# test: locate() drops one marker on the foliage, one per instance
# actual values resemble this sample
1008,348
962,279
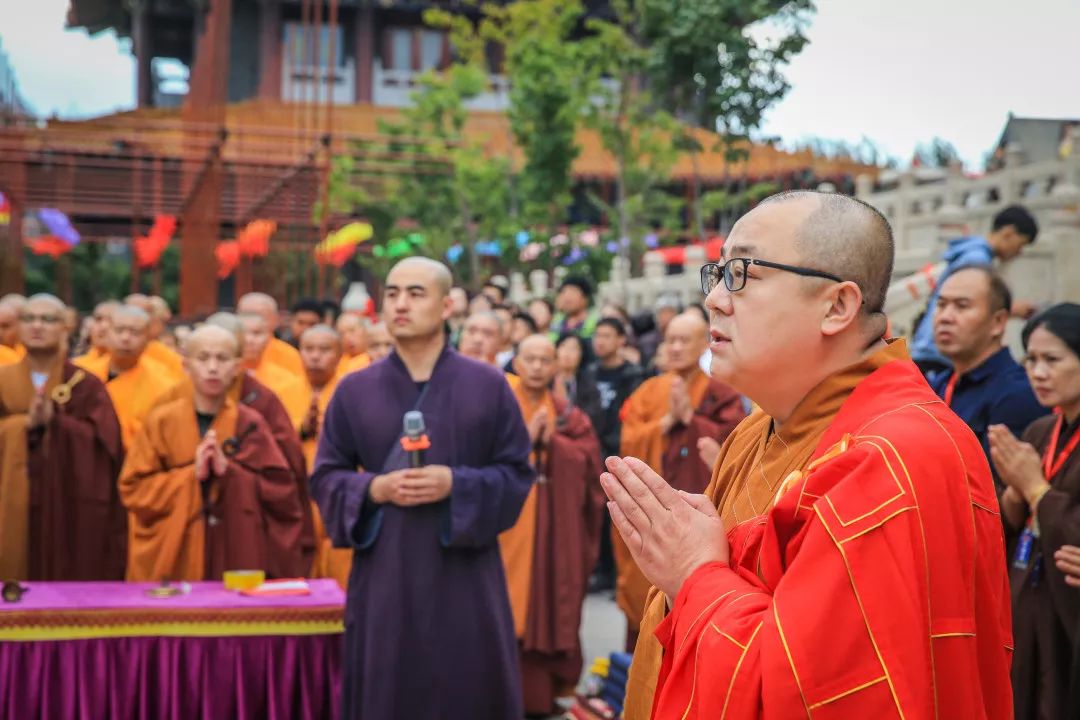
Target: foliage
938,153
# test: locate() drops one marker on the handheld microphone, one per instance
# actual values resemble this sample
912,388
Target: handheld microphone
414,439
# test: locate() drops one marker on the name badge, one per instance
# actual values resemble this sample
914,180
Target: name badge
1022,556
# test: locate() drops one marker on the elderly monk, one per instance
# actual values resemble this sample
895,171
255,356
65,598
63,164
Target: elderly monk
256,359
158,311
320,349
663,420
205,485
380,342
481,336
352,329
60,454
428,629
277,351
847,559
134,381
11,350
248,391
552,548
99,332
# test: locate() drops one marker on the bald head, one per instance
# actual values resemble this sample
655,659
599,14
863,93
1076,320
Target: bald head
438,275
380,343
128,335
481,336
211,359
320,351
140,301
99,324
843,236
45,301
535,362
41,325
229,322
686,339
159,308
260,304
353,331
10,308
257,334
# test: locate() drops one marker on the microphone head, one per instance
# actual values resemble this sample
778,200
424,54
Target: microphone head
413,424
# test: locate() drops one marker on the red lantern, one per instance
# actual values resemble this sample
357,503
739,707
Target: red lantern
149,248
49,245
228,257
254,239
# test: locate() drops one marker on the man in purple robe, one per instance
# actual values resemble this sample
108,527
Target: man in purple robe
428,630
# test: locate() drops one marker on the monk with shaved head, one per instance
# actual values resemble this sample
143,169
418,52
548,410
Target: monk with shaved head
60,454
663,422
278,352
423,459
380,343
847,558
159,313
352,328
11,350
99,331
134,380
205,485
256,354
552,548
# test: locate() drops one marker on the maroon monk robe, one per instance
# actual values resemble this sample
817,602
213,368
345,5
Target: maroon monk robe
58,486
569,512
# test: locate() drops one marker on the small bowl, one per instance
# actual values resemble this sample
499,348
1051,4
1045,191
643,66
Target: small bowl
243,579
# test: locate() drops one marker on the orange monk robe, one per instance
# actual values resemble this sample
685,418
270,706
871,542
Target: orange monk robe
8,356
875,587
330,562
351,364
134,392
289,388
60,514
254,519
752,463
91,357
551,550
285,356
717,410
167,357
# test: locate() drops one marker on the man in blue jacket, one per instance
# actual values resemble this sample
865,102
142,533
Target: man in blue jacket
1012,230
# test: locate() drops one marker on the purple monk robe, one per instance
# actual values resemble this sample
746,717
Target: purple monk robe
428,629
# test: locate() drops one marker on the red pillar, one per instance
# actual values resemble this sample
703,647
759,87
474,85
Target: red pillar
271,38
365,54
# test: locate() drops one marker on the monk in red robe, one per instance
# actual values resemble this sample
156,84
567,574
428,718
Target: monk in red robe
663,422
205,485
60,454
552,548
871,582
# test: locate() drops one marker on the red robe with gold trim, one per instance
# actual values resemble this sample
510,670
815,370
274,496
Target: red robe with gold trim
874,588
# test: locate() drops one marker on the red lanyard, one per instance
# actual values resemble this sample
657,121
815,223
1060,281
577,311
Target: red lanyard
1052,467
950,388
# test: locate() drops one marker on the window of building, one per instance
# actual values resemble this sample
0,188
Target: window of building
401,40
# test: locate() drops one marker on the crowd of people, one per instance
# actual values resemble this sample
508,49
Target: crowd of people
468,467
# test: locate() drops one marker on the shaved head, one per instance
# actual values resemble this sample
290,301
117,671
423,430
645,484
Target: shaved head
130,312
260,304
257,334
128,335
535,362
140,301
320,351
230,322
211,360
380,343
13,300
99,326
440,275
207,336
45,300
686,338
847,238
353,331
321,331
159,309
41,326
10,307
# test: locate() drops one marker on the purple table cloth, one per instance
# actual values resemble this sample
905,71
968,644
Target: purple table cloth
106,650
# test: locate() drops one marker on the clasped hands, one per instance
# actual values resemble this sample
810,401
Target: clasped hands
412,486
1018,465
680,408
209,458
670,533
41,410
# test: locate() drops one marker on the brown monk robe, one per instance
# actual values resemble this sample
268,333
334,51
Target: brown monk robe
662,422
352,329
256,359
754,462
248,391
60,454
320,351
205,485
134,381
552,548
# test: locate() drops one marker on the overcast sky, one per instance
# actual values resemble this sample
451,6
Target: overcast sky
898,73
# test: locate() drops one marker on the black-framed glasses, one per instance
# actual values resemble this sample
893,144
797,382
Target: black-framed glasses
733,273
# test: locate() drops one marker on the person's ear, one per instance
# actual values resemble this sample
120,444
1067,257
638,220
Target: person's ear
844,302
999,320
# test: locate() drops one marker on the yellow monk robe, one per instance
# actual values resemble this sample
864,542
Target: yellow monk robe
8,356
256,517
285,356
752,464
291,389
674,455
166,356
352,364
133,392
518,544
330,562
92,357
